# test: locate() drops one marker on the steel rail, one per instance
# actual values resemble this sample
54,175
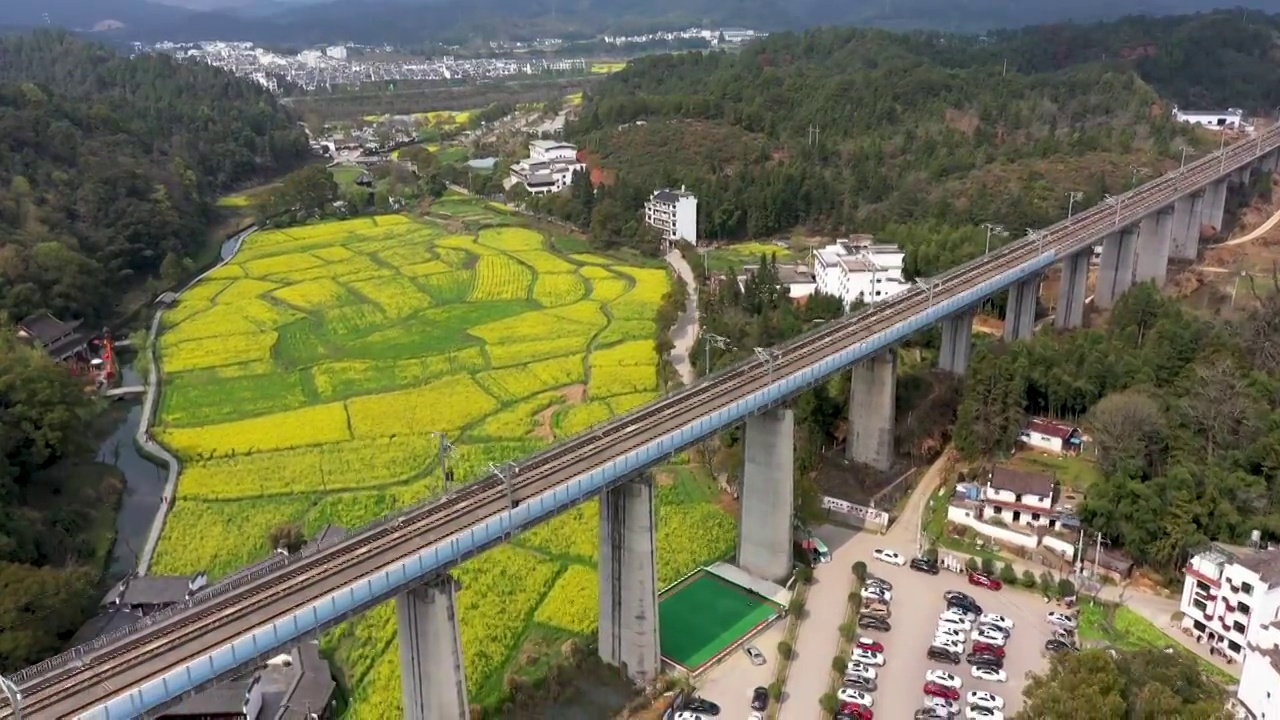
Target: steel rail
1091,221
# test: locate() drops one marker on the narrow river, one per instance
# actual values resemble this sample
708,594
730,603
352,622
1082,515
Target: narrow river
144,486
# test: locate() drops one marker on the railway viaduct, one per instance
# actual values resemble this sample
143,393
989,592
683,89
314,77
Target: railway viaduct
406,558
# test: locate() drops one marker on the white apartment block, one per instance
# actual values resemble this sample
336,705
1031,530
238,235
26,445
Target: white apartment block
674,213
1230,119
1230,594
549,169
858,269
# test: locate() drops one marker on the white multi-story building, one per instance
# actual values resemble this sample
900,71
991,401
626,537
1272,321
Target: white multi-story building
549,169
1229,119
1258,695
859,270
1228,595
337,52
674,213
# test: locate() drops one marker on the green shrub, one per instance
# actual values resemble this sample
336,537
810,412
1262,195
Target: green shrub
1029,580
785,650
1008,575
860,570
972,564
829,703
1066,588
988,566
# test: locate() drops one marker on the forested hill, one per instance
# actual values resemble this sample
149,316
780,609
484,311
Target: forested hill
109,165
912,128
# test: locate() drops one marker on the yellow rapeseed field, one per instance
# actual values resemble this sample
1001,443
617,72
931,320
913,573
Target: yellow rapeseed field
304,382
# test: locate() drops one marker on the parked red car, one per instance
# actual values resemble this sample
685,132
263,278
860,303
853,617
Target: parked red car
856,711
986,581
988,649
869,644
941,691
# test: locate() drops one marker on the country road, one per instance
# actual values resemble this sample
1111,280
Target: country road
685,332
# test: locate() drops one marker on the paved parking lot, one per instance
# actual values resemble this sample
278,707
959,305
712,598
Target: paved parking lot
730,683
917,601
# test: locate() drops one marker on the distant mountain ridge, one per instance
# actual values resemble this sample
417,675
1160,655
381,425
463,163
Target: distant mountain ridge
456,21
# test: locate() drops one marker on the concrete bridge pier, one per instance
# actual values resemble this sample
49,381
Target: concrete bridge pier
1268,162
1154,236
1115,276
1072,289
628,580
1020,310
872,398
1185,240
957,340
768,497
432,676
1215,204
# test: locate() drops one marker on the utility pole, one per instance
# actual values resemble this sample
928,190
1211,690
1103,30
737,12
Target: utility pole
15,696
992,229
1182,166
446,448
1114,200
769,358
1222,146
1137,172
506,480
813,134
1072,197
709,339
1097,557
1038,236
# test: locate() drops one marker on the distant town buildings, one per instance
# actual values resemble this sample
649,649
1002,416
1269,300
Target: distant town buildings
549,168
1229,119
334,65
674,213
716,37
859,270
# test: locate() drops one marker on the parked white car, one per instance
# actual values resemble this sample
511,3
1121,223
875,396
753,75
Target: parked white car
867,657
983,635
860,670
984,699
849,695
951,707
954,621
889,556
947,643
943,678
950,632
1061,620
997,620
989,674
977,712
872,591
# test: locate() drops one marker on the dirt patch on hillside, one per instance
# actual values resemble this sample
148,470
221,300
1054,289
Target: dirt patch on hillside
989,325
963,120
664,477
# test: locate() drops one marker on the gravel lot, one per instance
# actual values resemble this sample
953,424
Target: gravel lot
917,601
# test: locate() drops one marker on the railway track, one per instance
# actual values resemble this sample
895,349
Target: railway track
75,687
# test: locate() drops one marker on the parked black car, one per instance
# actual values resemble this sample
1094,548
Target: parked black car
867,622
877,581
925,565
984,660
858,682
1055,646
942,654
760,698
701,705
965,606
